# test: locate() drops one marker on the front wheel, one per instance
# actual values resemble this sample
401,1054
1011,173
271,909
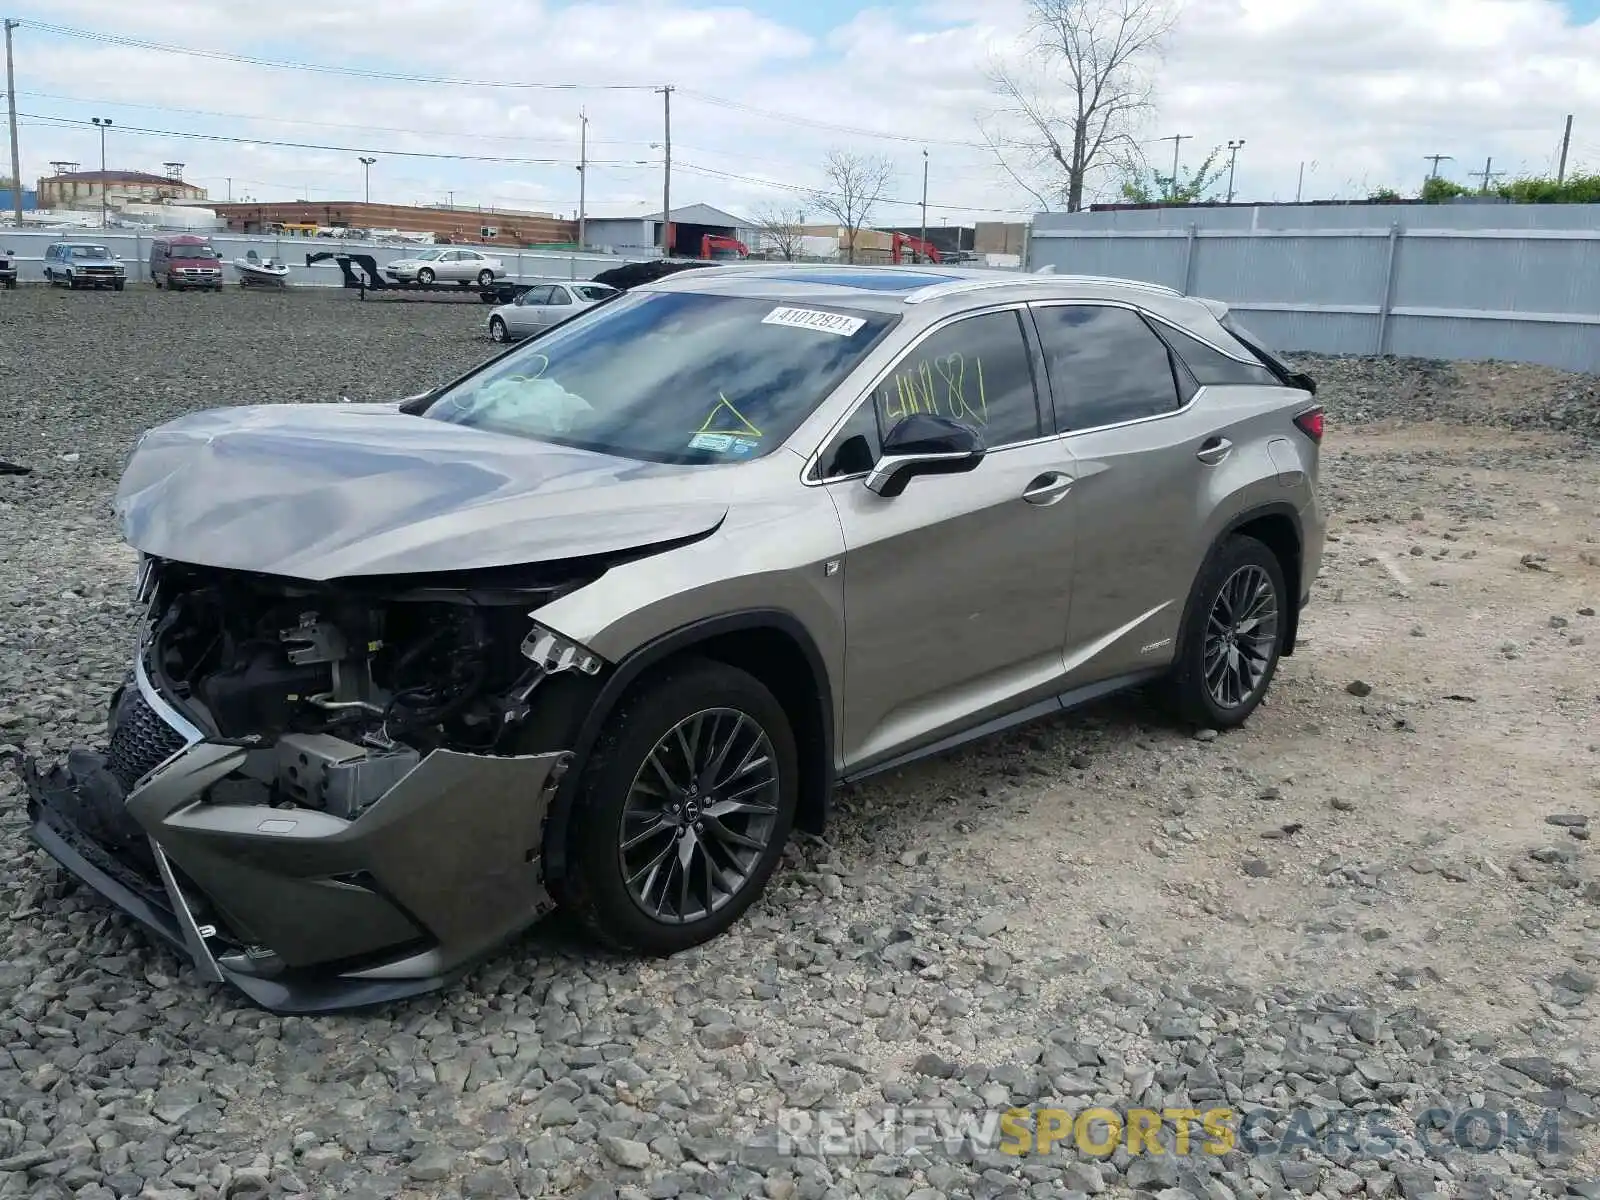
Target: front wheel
117,286
683,811
498,331
1233,636
425,275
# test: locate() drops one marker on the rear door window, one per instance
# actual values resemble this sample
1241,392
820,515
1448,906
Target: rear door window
1106,365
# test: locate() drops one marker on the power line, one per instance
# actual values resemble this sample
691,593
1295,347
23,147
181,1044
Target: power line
695,168
830,126
252,141
111,39
236,116
405,77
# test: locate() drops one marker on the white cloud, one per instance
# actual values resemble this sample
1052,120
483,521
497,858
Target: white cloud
1362,89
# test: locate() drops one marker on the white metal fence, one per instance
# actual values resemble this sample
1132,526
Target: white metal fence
1518,294
28,247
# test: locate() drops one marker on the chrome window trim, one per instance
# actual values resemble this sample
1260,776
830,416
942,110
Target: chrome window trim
814,459
1159,320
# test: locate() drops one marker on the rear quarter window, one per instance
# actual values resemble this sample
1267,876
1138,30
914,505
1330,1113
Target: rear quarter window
1208,364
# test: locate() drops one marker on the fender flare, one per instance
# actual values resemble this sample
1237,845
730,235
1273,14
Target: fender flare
1276,508
659,649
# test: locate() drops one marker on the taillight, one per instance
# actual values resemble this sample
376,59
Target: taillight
1310,423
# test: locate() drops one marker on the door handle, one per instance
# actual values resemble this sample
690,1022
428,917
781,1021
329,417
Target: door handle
1213,450
1048,488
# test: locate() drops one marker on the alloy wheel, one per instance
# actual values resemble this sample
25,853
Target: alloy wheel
1241,636
699,816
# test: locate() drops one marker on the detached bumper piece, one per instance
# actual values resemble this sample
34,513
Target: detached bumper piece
301,910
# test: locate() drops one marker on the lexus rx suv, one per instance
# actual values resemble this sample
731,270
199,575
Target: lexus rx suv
596,624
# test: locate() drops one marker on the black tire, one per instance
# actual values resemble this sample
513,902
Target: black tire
595,891
425,276
117,286
156,279
1240,562
498,331
485,278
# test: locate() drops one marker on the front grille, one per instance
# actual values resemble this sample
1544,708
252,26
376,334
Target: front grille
141,741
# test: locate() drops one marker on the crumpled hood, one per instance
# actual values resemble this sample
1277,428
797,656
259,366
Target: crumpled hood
323,491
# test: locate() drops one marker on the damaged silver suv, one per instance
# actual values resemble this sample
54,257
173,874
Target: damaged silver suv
594,625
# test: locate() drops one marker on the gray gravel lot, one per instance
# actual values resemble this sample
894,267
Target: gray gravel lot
1379,897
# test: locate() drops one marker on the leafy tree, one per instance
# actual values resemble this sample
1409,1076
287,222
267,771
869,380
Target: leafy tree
1438,189
1386,194
1143,185
1533,189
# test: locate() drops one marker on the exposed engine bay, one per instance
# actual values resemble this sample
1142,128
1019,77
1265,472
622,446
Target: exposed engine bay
340,690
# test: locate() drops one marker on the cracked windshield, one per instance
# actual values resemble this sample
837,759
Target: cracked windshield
669,377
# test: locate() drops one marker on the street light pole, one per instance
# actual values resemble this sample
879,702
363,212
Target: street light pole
1233,158
924,202
583,176
366,172
103,124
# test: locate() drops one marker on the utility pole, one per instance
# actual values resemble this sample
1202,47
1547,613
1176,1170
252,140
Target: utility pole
1561,171
103,123
666,172
1435,160
1300,186
1488,175
1233,158
230,189
583,174
1175,139
366,174
16,162
924,197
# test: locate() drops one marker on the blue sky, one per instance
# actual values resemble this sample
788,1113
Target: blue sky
1344,95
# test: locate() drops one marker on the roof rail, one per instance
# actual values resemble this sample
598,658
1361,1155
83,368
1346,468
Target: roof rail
956,287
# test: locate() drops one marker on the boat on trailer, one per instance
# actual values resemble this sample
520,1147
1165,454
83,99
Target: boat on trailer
255,271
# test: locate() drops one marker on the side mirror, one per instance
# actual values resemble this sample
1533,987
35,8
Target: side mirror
924,444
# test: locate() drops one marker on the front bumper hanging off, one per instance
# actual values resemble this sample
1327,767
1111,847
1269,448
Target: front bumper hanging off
301,910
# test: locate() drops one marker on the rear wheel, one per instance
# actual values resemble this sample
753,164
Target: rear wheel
498,331
683,810
1233,637
485,277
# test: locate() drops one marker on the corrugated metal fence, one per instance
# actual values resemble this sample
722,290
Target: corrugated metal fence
134,247
1519,294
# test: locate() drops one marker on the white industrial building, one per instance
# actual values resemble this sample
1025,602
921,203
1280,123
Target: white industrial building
642,235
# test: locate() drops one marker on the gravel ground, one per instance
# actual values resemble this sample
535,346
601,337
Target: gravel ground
1378,896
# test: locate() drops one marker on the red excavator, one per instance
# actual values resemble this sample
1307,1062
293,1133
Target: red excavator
921,251
710,244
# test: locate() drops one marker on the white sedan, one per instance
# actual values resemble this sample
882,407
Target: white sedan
439,264
543,305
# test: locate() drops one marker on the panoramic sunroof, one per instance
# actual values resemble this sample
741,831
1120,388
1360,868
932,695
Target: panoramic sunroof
870,281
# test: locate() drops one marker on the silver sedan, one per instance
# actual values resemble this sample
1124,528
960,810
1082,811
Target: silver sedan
543,305
439,265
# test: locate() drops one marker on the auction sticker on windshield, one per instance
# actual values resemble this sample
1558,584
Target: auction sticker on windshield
811,318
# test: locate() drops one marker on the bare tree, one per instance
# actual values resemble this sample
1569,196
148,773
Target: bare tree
1077,101
856,183
785,229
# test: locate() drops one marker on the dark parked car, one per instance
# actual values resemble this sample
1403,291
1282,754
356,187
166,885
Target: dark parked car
8,269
